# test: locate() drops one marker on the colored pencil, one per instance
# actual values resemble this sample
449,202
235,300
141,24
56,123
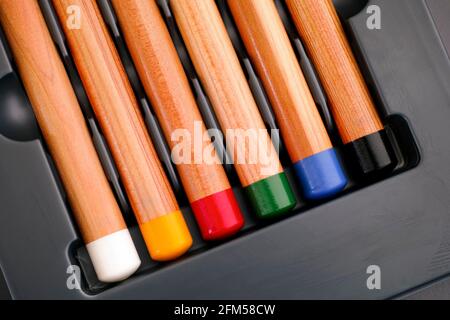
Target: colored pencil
109,91
161,72
58,113
218,68
354,111
307,141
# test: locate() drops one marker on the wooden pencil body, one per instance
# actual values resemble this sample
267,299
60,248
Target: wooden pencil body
116,108
353,109
60,119
221,74
270,50
168,88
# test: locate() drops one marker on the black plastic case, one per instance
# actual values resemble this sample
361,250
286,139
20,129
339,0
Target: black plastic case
399,221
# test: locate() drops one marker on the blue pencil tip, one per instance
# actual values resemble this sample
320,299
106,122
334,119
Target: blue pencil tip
321,175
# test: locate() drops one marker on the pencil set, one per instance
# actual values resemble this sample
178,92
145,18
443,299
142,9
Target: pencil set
268,190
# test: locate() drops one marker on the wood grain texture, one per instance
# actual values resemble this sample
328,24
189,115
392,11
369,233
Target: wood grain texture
323,35
271,52
218,67
60,119
116,108
167,86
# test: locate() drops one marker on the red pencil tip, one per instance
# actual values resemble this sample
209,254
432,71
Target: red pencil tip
218,215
